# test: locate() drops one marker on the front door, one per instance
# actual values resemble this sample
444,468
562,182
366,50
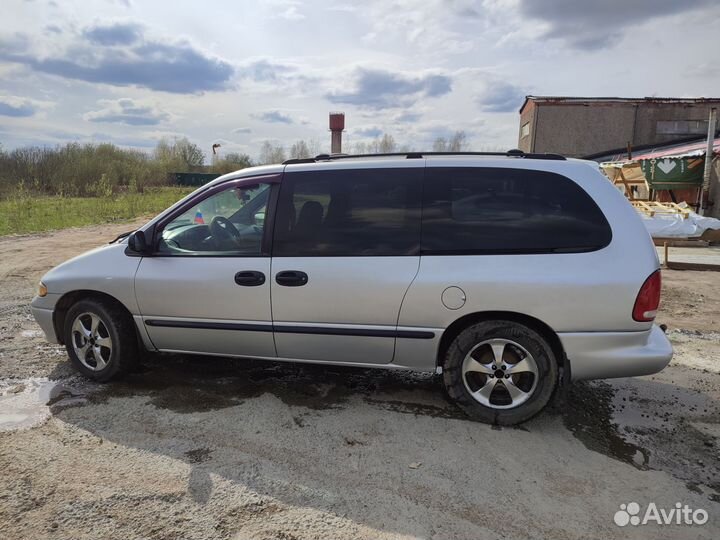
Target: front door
345,250
207,287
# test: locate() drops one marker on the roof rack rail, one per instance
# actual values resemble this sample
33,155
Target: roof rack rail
419,155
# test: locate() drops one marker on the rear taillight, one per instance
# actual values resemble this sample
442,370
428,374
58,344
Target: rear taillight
648,299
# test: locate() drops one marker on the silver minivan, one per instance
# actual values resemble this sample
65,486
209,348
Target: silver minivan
507,273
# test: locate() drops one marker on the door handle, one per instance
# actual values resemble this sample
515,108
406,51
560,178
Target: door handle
249,278
291,278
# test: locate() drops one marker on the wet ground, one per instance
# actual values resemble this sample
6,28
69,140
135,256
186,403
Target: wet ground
196,447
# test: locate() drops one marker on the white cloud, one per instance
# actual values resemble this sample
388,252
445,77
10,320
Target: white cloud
128,111
21,107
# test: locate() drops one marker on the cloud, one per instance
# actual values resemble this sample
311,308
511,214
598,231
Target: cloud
127,111
597,25
431,27
291,14
17,107
45,136
407,116
176,67
501,96
378,89
369,132
274,117
53,28
114,34
242,130
284,79
286,9
265,71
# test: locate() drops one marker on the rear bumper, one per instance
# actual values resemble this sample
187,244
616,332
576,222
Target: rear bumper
606,355
44,318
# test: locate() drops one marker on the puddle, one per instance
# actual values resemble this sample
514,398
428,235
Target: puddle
588,414
27,403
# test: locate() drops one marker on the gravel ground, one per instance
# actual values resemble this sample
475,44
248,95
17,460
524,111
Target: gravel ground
200,448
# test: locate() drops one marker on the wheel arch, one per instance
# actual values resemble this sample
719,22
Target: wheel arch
542,328
70,298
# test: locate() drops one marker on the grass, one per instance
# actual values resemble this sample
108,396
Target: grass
24,212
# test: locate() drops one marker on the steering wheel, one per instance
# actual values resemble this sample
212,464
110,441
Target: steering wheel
223,230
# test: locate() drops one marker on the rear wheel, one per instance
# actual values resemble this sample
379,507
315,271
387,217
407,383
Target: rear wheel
100,339
500,372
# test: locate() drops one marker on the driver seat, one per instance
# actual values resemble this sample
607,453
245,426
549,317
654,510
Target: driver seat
309,219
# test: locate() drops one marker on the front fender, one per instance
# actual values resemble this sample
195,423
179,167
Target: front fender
106,269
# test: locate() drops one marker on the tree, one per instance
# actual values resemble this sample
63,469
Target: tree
189,153
457,143
236,158
315,147
382,145
440,145
387,144
360,147
179,155
300,150
271,153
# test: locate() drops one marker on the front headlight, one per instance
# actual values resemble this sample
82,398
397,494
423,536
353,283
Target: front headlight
42,290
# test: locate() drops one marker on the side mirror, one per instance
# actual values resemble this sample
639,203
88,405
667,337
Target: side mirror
138,243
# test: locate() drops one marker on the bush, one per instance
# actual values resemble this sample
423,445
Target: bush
83,170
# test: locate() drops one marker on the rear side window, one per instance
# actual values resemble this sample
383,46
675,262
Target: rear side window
499,210
367,212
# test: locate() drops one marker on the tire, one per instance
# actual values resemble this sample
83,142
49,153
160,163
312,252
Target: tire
114,339
512,392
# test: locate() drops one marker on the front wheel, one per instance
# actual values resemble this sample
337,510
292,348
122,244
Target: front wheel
100,339
500,372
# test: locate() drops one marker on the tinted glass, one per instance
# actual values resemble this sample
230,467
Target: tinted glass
229,222
349,213
498,210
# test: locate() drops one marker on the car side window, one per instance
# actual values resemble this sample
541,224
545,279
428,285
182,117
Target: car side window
356,212
502,210
229,222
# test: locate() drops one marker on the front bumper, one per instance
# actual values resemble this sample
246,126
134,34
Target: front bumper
607,355
44,318
43,309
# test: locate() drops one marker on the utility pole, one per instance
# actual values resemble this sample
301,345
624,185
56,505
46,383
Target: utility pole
708,159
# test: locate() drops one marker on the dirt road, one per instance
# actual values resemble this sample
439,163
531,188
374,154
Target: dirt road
202,448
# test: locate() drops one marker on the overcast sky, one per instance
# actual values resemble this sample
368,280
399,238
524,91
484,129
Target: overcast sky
240,72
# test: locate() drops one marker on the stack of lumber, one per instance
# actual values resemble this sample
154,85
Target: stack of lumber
652,208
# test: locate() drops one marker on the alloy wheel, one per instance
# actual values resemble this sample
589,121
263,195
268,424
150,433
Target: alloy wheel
500,373
91,341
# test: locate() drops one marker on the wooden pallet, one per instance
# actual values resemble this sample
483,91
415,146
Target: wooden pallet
651,208
680,265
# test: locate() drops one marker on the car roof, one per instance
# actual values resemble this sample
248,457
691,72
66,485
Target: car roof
511,158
